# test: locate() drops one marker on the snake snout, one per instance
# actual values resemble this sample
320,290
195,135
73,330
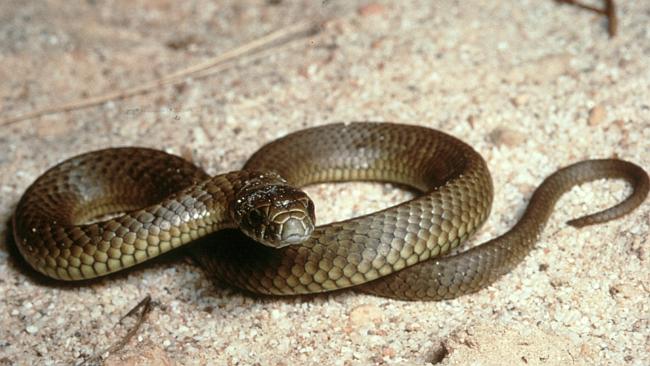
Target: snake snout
290,221
295,229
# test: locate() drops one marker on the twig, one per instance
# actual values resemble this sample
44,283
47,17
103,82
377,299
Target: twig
299,30
612,21
145,304
609,11
217,69
583,6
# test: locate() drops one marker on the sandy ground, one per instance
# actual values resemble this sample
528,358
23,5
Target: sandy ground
532,85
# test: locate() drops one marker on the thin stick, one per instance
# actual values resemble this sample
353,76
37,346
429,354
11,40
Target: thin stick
300,30
145,304
609,11
612,21
583,6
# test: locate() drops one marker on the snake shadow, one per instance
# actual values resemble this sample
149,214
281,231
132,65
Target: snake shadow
226,255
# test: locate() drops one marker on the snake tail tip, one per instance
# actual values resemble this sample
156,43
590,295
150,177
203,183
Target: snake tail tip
578,223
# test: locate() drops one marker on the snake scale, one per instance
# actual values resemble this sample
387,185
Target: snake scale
167,202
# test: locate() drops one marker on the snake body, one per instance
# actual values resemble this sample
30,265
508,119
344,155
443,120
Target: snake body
396,252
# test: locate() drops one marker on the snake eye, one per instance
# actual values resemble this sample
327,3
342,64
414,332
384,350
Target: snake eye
256,218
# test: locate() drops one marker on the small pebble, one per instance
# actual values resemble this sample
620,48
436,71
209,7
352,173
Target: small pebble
596,115
622,290
541,71
520,100
365,314
388,352
471,120
371,9
506,136
187,153
276,314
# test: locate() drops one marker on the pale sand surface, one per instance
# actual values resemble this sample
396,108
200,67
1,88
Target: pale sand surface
515,79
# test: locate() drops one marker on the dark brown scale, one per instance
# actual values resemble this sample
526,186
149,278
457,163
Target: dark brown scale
395,252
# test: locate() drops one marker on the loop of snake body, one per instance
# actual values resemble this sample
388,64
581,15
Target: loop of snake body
397,252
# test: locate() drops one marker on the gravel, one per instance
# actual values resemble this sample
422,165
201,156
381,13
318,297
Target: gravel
532,85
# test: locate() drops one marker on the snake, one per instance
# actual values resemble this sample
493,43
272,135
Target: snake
104,211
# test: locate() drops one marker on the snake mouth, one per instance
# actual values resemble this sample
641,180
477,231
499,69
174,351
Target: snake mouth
291,240
295,230
288,228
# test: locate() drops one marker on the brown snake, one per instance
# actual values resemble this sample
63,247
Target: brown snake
396,252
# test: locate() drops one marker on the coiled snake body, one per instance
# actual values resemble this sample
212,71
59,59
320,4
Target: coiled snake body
397,252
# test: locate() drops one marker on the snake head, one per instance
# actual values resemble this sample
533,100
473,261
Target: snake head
274,213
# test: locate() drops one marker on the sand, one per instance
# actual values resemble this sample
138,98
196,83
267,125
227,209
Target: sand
531,85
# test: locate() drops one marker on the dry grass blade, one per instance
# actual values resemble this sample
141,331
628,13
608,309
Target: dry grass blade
280,36
609,11
144,307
